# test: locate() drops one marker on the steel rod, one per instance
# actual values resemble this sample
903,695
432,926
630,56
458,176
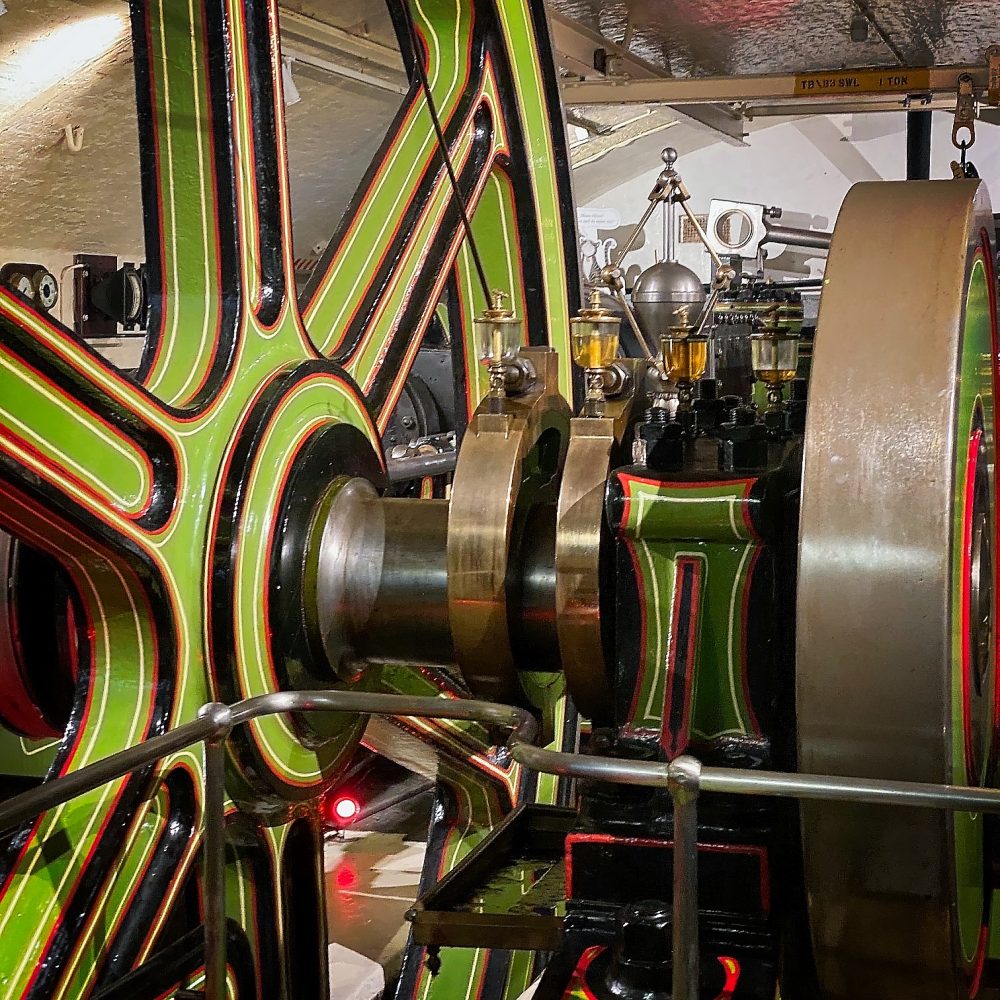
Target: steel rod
589,768
402,470
630,316
780,784
522,727
214,871
442,143
517,720
30,804
706,312
684,777
870,791
216,720
810,238
639,228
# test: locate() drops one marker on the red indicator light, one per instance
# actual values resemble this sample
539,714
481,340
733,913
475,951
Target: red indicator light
344,809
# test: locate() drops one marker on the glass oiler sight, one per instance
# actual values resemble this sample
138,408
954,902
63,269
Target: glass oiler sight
775,349
594,336
498,339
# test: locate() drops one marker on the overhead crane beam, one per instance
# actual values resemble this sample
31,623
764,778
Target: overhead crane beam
781,93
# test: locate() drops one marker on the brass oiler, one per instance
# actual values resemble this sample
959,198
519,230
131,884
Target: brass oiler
775,349
594,337
684,358
498,340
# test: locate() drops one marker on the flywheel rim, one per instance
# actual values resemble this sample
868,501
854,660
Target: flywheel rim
906,331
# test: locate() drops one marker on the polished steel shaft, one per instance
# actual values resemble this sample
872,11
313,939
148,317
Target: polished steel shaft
381,590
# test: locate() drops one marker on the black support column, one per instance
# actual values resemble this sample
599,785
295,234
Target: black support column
918,145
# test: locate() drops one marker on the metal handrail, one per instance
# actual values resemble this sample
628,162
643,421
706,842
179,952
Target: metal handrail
684,778
214,723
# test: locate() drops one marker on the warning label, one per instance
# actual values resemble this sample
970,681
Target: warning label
864,81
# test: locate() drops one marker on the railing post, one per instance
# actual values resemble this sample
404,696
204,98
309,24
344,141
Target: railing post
684,782
214,853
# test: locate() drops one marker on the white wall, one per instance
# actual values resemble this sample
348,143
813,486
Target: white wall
806,166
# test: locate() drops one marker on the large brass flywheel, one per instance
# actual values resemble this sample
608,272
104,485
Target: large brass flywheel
896,610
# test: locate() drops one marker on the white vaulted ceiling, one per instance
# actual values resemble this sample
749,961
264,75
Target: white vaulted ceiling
69,63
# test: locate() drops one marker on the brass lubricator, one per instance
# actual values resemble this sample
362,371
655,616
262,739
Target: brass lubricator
774,343
594,337
499,333
684,358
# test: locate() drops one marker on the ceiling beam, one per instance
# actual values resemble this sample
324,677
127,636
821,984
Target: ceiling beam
575,46
940,102
588,152
721,119
316,32
342,71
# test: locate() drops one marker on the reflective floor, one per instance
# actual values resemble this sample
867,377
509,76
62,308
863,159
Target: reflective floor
372,880
372,876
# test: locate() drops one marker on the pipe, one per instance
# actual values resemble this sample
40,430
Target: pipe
589,768
214,857
778,784
403,470
684,778
518,721
213,724
870,791
807,238
30,804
